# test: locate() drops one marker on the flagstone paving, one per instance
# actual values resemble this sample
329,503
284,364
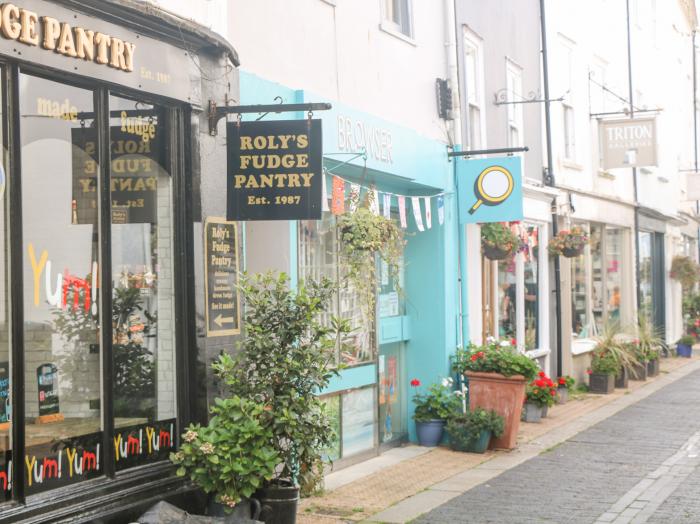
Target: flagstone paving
407,480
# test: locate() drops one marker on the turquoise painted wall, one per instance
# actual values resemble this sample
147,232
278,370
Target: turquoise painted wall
418,166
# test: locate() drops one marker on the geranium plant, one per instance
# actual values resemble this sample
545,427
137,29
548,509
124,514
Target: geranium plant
232,456
498,240
566,381
568,243
440,402
494,357
541,391
605,363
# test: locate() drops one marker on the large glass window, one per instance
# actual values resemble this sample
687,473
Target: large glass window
613,266
507,298
143,340
581,325
532,288
62,354
646,284
5,399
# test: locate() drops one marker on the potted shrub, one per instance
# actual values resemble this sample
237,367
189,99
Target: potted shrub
497,374
685,270
568,243
622,378
684,347
651,342
604,367
498,241
286,356
433,409
472,431
231,457
539,395
565,384
642,355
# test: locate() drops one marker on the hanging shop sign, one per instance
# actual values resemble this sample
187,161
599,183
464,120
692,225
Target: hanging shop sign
135,161
629,142
58,37
223,313
274,170
490,189
47,386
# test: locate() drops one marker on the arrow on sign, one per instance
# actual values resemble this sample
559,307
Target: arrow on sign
220,321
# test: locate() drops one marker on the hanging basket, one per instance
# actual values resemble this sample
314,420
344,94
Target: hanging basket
496,252
572,252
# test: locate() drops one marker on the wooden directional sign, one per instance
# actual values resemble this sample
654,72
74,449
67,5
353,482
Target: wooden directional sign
221,277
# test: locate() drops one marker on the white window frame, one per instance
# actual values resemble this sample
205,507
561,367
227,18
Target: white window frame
473,47
569,135
393,27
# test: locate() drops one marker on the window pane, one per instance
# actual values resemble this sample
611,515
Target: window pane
580,316
332,407
613,267
358,421
474,127
532,295
5,406
598,297
143,339
645,276
60,240
507,308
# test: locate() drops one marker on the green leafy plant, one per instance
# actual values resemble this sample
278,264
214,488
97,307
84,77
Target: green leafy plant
649,338
494,357
285,358
574,239
686,340
439,403
612,344
691,313
541,391
365,235
685,270
232,456
605,363
467,427
500,235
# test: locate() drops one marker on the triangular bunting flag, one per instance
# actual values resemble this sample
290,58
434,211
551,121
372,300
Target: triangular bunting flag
374,205
415,203
354,197
428,213
387,205
338,196
402,211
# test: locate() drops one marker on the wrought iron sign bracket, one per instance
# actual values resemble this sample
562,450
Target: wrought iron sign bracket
501,151
501,99
216,113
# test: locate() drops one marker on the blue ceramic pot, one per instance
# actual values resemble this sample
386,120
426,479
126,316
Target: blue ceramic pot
683,350
481,444
430,433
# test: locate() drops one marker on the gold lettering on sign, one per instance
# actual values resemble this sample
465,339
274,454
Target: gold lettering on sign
27,27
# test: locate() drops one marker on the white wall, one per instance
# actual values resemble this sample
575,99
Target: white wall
209,13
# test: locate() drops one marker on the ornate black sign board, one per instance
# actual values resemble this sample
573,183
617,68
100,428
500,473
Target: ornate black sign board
274,170
47,381
223,315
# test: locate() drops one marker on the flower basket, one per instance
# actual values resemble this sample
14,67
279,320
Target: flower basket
568,243
495,252
572,252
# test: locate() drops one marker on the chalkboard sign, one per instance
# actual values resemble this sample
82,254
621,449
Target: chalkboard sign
47,381
274,170
221,276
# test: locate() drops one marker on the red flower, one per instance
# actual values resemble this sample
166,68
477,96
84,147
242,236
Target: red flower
541,374
562,381
697,322
552,392
474,357
540,383
589,372
415,383
513,342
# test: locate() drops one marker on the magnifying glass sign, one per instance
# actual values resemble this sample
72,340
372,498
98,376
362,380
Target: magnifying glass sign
492,187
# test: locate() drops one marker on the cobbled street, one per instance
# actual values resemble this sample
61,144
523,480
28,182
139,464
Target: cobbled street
640,465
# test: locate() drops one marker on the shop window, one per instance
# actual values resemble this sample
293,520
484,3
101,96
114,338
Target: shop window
569,133
143,344
581,313
62,354
319,258
5,401
358,415
518,294
613,266
646,274
398,14
473,78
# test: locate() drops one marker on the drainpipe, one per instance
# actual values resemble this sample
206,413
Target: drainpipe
550,181
451,30
695,125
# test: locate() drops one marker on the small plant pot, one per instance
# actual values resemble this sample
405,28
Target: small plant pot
653,367
532,412
571,252
545,410
430,433
245,511
495,252
684,350
602,383
278,504
622,379
478,445
639,371
562,395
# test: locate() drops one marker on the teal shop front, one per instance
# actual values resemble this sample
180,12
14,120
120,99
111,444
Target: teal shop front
415,330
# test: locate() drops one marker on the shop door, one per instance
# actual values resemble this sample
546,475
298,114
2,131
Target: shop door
392,401
651,278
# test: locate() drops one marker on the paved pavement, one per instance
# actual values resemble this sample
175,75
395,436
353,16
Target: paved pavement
639,465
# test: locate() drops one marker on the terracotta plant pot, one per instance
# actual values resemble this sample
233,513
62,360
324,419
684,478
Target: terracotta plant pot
622,379
602,383
562,395
653,367
504,395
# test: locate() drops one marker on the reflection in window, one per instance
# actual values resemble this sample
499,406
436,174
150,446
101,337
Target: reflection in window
598,297
398,13
358,421
143,342
645,276
61,344
580,293
613,266
5,405
531,291
507,296
332,407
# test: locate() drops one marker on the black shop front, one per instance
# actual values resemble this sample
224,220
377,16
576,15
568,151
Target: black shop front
100,200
